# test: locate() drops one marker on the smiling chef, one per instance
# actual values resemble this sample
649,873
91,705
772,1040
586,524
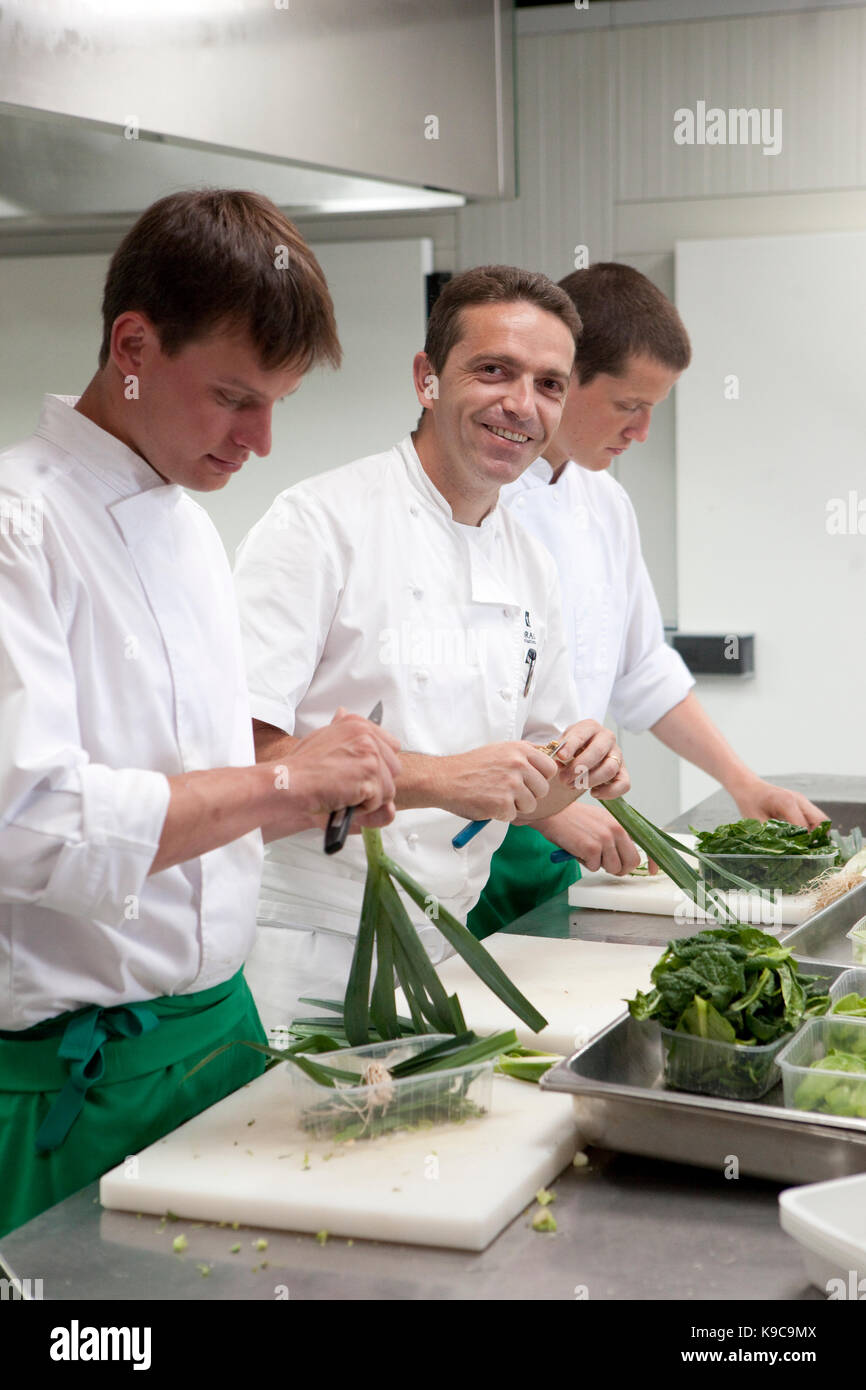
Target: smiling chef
633,348
400,578
132,810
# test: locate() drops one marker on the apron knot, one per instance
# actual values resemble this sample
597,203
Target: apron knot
81,1046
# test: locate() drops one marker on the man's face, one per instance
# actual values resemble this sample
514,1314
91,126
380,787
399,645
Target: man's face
201,413
601,419
500,395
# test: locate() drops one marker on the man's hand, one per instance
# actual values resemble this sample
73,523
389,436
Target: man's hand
761,800
350,762
592,835
590,760
497,782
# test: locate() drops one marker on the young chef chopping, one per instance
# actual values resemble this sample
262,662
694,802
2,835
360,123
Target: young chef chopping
133,810
400,577
633,348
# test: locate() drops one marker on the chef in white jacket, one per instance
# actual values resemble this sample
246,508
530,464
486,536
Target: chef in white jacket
132,809
400,576
632,349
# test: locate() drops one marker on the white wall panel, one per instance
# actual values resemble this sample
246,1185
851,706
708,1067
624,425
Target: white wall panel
755,476
811,66
565,162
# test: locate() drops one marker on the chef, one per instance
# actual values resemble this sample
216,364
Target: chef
632,349
132,809
400,576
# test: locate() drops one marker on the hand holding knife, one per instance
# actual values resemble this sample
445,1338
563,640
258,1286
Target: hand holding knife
339,821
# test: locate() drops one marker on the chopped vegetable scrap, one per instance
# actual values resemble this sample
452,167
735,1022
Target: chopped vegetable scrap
544,1220
179,1244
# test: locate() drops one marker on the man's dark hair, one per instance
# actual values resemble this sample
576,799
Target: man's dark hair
623,314
199,260
491,284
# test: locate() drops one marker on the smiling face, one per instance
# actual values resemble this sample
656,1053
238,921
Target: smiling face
199,414
499,402
602,418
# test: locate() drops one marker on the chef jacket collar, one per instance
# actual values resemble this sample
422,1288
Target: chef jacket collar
97,450
541,472
420,481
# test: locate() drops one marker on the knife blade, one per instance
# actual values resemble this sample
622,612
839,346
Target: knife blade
338,829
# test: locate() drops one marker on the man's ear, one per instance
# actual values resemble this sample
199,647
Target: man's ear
425,380
132,337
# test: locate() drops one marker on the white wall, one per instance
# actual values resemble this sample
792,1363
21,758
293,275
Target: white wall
50,330
756,475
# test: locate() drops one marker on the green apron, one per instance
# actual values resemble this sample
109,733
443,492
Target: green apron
81,1092
521,878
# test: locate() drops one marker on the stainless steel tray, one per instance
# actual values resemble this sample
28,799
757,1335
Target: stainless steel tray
824,936
621,1103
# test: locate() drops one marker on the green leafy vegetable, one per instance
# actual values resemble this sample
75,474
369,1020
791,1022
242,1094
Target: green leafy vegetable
854,1005
732,985
770,854
830,1094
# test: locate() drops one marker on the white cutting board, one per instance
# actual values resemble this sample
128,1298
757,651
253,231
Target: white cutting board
659,894
579,986
451,1185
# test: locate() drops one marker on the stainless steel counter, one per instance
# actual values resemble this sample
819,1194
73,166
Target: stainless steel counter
628,1228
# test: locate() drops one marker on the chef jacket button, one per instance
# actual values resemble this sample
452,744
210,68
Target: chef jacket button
521,501
413,510
417,593
412,840
421,676
506,694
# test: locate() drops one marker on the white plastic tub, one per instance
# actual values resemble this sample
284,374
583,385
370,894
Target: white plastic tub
828,1222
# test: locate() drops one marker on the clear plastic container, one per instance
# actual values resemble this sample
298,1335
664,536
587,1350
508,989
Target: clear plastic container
857,937
383,1105
732,1071
827,1091
790,873
849,982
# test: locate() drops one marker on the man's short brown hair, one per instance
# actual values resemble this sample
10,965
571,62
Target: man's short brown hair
491,284
623,314
209,258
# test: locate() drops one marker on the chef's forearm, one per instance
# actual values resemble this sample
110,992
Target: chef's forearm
209,809
688,730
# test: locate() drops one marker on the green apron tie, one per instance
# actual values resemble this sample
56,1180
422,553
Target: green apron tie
81,1046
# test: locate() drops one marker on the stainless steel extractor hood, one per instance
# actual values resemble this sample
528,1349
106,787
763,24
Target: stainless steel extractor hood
328,107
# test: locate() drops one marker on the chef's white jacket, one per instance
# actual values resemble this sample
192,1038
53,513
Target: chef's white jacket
120,665
358,586
620,659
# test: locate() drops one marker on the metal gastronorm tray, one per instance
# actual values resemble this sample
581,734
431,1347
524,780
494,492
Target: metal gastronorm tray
621,1103
824,937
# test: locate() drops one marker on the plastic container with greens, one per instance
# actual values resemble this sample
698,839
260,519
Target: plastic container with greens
824,1067
772,855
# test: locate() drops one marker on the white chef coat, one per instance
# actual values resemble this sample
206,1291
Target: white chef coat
358,586
620,659
120,665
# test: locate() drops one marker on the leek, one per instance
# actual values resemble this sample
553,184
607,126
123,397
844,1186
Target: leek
668,854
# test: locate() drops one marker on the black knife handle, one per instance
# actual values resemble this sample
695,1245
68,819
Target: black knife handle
338,829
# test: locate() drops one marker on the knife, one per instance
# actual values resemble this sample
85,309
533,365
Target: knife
471,830
337,830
